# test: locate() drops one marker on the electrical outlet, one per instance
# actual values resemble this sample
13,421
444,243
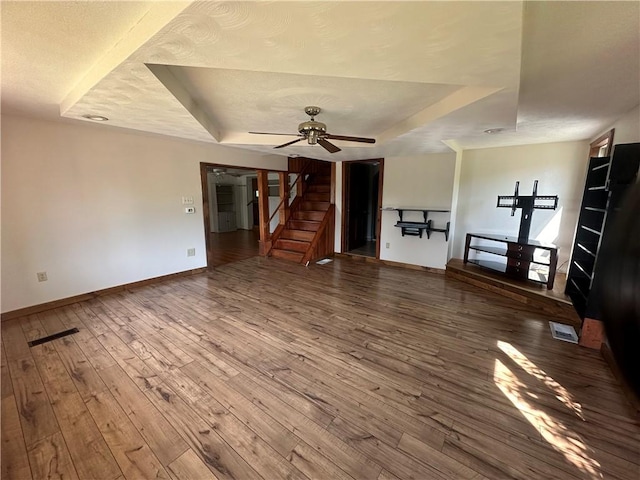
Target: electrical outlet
42,276
387,245
190,210
191,252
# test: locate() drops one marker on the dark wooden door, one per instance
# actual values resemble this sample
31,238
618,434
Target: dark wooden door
375,207
359,198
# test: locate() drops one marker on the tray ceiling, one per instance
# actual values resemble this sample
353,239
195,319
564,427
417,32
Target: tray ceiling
417,76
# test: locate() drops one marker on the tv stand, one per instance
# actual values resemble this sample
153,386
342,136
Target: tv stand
511,257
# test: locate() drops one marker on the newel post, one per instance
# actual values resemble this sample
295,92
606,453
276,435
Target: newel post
283,213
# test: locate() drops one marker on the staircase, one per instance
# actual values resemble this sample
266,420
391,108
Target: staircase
308,220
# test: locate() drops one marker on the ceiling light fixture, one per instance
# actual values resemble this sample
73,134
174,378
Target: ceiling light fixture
95,118
491,131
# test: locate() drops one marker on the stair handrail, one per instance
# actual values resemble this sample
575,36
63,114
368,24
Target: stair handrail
300,175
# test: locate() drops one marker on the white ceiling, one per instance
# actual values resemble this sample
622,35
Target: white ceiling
413,75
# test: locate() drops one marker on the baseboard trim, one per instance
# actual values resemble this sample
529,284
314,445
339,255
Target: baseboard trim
390,263
43,307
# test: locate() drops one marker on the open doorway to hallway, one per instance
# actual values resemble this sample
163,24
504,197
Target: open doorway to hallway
362,197
230,211
228,199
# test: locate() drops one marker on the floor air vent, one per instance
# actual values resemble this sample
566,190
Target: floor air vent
324,261
563,332
55,336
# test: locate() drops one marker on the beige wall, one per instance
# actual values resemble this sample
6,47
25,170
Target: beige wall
627,128
487,173
422,181
96,207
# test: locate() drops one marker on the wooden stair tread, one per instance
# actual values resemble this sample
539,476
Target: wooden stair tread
307,225
316,215
317,196
292,245
295,234
312,205
319,188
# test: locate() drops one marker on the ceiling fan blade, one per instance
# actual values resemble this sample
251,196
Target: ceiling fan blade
269,133
289,143
330,147
351,139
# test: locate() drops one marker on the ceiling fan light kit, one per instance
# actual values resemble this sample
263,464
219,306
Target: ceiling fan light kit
316,133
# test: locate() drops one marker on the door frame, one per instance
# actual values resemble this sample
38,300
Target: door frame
345,203
206,204
606,139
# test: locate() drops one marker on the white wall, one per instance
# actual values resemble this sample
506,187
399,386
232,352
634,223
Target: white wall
249,206
213,202
240,195
487,173
627,128
423,181
96,207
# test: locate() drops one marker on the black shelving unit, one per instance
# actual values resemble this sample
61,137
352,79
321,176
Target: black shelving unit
523,260
607,181
414,228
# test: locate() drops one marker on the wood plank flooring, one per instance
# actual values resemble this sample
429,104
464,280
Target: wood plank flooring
366,250
229,247
266,369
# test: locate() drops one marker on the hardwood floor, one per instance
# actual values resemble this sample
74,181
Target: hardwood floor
229,247
266,369
367,250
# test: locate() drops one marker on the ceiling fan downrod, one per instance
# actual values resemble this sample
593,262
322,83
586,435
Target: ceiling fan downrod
311,129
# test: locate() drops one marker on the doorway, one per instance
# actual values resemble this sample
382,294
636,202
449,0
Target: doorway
361,204
230,211
227,193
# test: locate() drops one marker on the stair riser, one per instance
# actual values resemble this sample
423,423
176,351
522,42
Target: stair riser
312,215
317,197
293,245
319,188
304,235
302,225
322,206
287,255
321,180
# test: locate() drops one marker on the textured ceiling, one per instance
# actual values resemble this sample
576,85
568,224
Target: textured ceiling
48,47
411,74
243,100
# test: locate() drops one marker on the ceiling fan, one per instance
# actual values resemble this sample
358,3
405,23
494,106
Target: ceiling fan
316,133
220,173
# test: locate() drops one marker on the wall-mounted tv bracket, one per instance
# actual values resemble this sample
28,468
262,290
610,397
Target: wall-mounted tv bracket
528,204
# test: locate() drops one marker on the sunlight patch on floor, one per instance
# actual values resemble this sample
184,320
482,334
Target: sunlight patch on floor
532,369
556,433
